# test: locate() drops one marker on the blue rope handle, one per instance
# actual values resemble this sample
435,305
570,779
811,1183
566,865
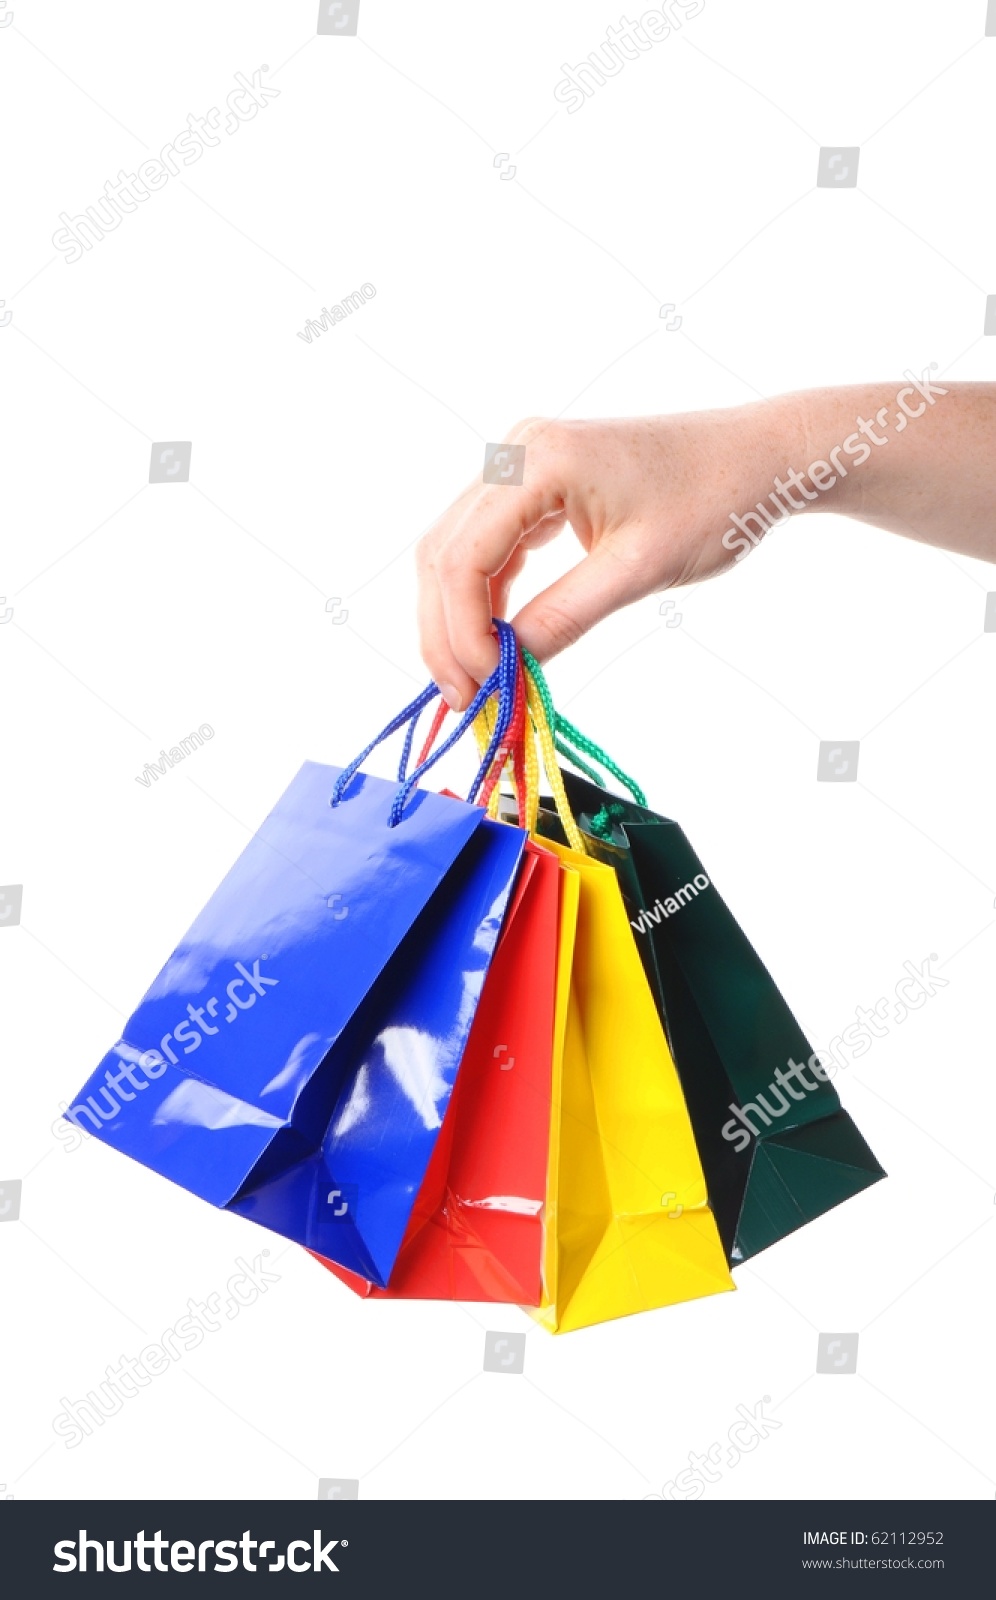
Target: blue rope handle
508,672
411,711
508,669
406,753
501,682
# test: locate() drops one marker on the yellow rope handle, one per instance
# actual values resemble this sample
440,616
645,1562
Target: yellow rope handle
537,729
544,734
483,729
532,775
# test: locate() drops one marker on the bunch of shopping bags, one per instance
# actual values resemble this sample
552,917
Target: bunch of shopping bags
513,1048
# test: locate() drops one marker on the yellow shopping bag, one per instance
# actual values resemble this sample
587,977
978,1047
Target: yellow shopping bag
627,1223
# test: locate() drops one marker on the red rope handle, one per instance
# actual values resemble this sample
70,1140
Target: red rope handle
512,745
433,733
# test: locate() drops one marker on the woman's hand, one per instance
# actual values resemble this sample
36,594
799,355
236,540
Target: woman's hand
649,499
653,502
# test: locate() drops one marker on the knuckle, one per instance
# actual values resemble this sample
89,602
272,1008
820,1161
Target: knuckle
514,565
449,560
425,553
438,661
564,630
532,504
528,429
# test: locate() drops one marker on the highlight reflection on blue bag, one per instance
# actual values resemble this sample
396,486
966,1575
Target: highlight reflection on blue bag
294,1058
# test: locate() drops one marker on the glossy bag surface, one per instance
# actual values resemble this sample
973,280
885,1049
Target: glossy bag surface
628,1224
295,1056
795,1152
476,1230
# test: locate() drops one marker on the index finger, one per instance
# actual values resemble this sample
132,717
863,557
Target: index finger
472,544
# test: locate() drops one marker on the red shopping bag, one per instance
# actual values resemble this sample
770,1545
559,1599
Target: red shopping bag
476,1230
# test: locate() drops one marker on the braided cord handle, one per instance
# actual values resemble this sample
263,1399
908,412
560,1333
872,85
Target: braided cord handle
502,684
569,739
554,777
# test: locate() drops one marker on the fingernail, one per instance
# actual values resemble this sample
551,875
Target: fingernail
453,697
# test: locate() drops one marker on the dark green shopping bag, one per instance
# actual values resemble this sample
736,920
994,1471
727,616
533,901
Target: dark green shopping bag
775,1144
777,1148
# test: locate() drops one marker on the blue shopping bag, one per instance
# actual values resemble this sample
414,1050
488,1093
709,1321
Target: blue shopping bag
295,1056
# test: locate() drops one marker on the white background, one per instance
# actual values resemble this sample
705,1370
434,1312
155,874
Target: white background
141,611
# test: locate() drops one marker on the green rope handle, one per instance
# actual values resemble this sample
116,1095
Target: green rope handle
575,760
604,820
566,736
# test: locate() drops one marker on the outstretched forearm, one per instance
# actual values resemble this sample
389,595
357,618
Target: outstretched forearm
921,462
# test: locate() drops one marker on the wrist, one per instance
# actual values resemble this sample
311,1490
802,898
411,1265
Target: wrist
843,439
784,432
768,445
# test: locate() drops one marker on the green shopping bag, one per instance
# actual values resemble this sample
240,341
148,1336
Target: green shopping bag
777,1147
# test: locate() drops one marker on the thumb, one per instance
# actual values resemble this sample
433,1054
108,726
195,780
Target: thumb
557,618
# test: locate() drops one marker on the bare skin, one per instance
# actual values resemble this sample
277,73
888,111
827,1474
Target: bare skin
650,501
